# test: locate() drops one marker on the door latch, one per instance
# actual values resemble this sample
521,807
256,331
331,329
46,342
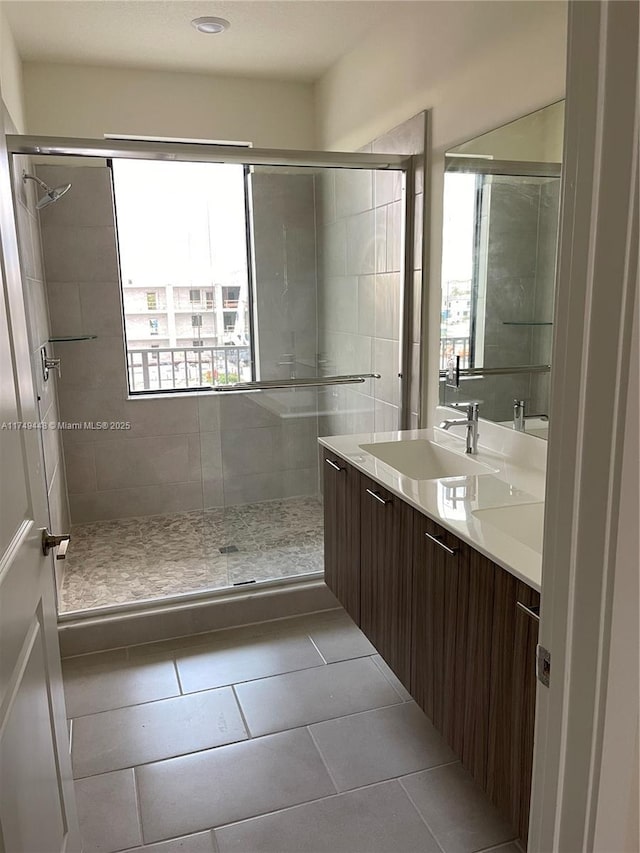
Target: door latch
61,542
543,665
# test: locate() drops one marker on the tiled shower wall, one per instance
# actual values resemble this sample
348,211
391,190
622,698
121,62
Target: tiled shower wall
181,453
359,267
30,244
521,250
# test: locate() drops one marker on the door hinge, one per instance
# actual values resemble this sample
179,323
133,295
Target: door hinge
543,665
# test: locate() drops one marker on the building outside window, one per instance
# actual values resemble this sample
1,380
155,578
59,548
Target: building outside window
182,237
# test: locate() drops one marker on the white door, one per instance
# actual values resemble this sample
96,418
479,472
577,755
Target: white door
37,810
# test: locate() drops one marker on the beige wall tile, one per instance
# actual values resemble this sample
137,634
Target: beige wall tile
80,468
128,462
75,253
136,501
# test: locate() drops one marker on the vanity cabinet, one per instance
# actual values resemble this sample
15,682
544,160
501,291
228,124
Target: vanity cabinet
512,698
385,575
447,620
451,640
342,489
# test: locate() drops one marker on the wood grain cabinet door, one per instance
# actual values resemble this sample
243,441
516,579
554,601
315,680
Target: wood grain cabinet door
385,575
512,699
438,669
342,495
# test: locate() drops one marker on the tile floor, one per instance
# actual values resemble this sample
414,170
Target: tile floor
114,562
290,736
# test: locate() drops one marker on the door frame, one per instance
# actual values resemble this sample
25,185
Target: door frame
596,295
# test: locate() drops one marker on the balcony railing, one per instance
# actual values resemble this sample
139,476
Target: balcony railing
450,347
171,368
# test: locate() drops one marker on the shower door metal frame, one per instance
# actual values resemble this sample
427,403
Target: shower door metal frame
109,149
196,152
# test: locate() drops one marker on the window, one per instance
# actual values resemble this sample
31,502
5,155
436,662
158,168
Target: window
181,227
230,297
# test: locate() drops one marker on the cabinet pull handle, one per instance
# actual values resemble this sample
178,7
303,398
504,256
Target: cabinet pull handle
532,612
334,465
438,541
378,497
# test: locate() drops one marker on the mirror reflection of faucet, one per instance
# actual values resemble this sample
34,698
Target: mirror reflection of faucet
520,415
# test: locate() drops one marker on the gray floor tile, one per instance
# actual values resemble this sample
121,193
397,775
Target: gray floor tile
392,678
126,737
107,812
230,783
91,685
312,695
456,810
380,819
338,637
243,655
201,843
366,748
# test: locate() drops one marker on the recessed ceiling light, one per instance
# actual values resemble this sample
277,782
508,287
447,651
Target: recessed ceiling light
209,25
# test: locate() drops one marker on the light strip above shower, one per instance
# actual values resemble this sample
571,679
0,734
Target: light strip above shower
312,382
199,153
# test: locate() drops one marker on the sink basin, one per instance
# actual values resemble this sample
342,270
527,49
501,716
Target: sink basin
523,522
421,459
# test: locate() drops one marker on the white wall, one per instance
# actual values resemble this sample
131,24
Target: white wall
476,65
11,75
87,101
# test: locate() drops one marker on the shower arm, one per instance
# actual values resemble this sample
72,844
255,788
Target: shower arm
26,177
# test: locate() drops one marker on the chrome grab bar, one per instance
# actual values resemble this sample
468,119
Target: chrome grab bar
438,541
500,371
313,382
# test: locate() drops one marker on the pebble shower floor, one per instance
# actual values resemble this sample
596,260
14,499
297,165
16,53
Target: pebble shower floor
132,559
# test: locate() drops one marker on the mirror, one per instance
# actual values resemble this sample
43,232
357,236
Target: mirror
501,207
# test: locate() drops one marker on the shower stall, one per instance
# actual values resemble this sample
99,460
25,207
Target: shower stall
212,310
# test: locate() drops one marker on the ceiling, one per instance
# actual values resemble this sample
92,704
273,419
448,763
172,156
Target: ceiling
283,39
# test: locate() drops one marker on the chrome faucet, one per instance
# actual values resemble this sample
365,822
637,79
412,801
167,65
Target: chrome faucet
520,415
470,422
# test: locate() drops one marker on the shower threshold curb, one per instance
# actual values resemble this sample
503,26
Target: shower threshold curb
152,621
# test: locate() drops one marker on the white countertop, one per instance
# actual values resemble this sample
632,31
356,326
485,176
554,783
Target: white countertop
518,478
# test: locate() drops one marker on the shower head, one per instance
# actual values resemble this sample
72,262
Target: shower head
51,194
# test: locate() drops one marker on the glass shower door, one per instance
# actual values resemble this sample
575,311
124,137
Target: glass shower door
327,255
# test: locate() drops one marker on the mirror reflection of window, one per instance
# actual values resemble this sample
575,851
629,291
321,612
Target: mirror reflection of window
457,268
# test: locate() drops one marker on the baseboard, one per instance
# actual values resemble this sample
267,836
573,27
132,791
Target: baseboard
165,622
